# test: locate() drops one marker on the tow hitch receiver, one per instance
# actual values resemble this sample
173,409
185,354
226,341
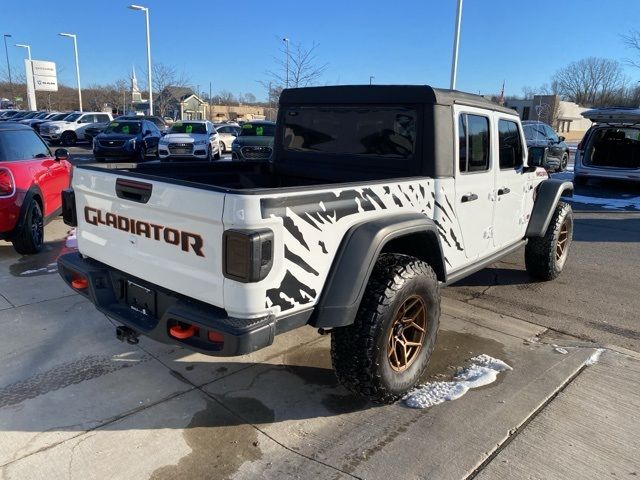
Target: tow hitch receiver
126,334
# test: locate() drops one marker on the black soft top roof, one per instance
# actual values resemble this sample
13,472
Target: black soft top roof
381,94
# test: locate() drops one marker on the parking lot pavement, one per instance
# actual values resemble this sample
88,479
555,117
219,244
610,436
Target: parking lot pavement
75,402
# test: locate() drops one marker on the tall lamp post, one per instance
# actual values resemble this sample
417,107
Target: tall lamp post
31,88
456,41
371,77
146,14
6,51
286,41
28,47
75,49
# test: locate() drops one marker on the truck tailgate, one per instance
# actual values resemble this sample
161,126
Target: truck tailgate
173,239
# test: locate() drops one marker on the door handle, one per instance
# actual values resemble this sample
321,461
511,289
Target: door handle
504,191
469,197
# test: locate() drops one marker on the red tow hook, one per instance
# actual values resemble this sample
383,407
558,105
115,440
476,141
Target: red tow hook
182,333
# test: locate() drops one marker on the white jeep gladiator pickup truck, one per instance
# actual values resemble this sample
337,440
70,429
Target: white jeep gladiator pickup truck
376,197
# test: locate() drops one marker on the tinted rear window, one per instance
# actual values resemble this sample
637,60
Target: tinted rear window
369,131
21,145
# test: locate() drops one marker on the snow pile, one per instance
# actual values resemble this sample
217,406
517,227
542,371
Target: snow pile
50,268
72,240
609,203
482,370
595,356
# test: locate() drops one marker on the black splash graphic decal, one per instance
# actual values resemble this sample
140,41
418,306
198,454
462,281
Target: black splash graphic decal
440,227
289,255
447,261
437,204
444,237
294,231
321,208
406,196
291,288
396,200
448,202
322,246
453,237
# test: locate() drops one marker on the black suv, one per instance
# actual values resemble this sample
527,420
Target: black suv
127,138
157,121
538,134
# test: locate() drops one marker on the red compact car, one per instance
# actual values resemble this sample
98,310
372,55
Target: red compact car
31,180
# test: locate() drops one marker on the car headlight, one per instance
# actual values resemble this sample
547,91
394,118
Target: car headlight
55,128
200,142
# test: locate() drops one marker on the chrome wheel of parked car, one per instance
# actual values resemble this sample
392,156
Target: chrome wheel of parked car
564,162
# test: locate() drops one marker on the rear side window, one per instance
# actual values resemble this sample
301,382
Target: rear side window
473,143
21,145
510,145
341,130
102,118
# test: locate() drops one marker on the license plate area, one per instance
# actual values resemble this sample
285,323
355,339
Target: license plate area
141,299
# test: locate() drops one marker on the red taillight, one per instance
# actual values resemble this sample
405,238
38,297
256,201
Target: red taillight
7,184
215,337
79,283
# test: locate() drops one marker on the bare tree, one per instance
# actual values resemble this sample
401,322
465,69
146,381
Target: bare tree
249,98
165,76
590,82
225,97
302,64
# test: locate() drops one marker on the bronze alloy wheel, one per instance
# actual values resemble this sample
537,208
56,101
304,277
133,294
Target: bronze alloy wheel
563,238
407,334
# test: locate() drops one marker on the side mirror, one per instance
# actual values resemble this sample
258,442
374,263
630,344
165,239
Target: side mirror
561,138
61,154
538,156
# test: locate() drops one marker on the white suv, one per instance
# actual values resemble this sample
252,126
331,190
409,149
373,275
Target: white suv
190,139
71,129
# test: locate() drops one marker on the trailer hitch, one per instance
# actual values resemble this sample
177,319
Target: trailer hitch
126,334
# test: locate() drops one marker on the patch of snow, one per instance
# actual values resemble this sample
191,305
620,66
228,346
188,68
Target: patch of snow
595,356
72,240
482,370
609,203
51,268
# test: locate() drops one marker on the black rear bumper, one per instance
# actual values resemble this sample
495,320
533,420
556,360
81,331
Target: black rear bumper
108,289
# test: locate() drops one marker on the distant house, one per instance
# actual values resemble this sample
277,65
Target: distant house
180,103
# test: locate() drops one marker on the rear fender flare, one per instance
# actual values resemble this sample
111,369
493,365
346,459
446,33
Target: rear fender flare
357,255
548,196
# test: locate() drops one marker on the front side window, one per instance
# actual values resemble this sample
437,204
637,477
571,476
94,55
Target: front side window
375,131
473,143
73,117
21,145
510,145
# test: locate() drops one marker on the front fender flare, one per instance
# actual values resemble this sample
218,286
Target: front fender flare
548,196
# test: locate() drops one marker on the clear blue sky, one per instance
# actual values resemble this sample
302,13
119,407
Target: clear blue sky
232,44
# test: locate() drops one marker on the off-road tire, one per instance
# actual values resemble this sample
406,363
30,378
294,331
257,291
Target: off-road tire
68,139
541,253
30,237
360,352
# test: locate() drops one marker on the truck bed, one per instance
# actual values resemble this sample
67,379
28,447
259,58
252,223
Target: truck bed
249,177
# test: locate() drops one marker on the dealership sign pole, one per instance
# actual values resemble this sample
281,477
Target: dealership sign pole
42,77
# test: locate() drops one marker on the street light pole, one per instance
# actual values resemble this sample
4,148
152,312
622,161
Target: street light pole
146,14
371,77
31,87
456,41
6,51
28,47
75,49
286,41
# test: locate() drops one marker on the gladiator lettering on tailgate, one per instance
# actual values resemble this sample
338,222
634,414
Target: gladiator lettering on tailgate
185,240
